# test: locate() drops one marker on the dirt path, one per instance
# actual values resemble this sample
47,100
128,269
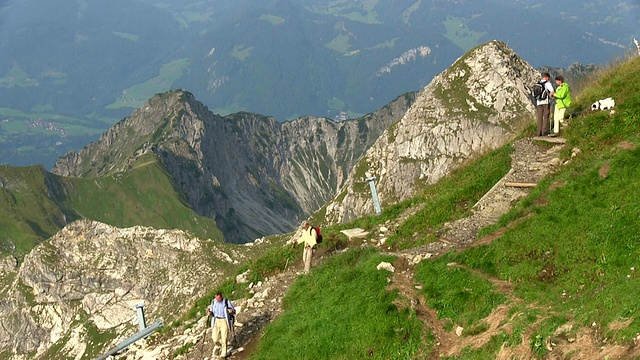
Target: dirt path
531,161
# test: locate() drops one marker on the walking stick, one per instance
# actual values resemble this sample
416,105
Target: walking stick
204,337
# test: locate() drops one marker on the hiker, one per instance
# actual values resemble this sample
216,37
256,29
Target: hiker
543,105
563,101
220,310
308,238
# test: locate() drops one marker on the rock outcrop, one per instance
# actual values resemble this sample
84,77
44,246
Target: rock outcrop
478,104
253,175
87,278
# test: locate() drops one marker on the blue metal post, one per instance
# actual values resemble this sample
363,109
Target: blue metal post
374,193
141,322
139,336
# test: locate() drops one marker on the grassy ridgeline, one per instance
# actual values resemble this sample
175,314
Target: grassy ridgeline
572,248
569,255
35,204
342,310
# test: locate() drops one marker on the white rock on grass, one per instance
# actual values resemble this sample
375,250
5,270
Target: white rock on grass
385,266
243,278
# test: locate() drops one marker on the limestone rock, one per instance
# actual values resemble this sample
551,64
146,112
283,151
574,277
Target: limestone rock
385,266
478,104
90,275
243,278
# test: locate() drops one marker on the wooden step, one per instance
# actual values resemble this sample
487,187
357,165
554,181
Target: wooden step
520,184
551,139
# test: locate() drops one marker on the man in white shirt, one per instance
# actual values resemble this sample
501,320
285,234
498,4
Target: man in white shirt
543,106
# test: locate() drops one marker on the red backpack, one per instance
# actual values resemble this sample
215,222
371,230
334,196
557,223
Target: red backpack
318,234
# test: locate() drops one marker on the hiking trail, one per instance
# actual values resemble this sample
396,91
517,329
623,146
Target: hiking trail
531,160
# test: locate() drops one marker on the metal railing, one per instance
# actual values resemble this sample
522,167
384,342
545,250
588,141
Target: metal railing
144,332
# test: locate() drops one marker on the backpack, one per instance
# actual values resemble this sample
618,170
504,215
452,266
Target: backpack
318,234
540,91
231,315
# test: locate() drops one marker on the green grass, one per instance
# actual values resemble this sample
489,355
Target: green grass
451,198
27,214
9,113
22,128
568,248
35,204
336,104
17,77
406,14
143,196
241,52
272,19
571,245
457,294
458,32
596,220
387,44
127,36
274,260
340,43
323,318
363,11
136,95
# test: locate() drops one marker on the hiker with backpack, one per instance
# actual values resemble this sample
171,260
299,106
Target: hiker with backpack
542,94
563,101
222,315
309,238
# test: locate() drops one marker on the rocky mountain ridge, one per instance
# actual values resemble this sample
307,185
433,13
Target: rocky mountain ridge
253,175
478,104
87,278
256,176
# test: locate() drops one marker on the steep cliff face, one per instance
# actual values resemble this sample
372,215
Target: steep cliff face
479,103
252,174
87,279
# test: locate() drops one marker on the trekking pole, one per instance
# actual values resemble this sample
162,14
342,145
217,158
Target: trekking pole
204,336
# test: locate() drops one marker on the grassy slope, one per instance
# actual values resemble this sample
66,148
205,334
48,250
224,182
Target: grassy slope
570,250
571,245
27,214
324,320
32,209
575,244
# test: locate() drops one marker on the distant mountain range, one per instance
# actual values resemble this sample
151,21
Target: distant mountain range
68,71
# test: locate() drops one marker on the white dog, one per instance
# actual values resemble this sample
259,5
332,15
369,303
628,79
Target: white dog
604,104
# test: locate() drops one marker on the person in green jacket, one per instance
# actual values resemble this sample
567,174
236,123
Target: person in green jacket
563,101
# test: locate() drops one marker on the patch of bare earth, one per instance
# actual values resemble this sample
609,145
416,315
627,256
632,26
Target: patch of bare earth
411,298
604,171
587,344
626,145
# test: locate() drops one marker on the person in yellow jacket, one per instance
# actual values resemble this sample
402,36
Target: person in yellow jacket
308,239
563,101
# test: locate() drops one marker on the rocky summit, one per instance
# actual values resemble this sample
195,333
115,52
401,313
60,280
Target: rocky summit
478,104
